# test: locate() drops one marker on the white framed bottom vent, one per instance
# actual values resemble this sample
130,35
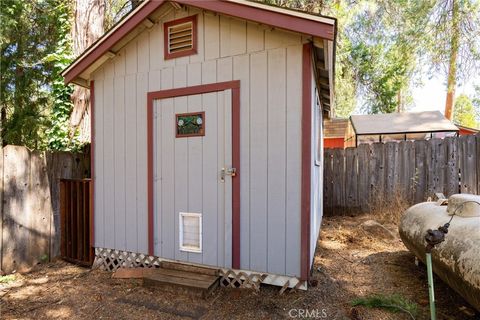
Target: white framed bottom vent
190,233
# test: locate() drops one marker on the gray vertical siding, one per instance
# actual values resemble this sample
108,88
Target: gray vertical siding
268,64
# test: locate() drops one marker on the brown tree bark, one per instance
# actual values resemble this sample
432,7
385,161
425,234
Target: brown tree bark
452,65
87,28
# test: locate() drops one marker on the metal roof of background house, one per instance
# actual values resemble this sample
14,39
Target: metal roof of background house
406,122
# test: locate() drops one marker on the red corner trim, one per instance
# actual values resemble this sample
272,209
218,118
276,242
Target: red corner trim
92,166
306,159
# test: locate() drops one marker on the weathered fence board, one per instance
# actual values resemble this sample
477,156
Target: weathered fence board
352,183
356,179
363,175
30,221
328,178
452,183
468,164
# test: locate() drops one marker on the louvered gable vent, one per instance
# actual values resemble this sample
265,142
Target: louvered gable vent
180,37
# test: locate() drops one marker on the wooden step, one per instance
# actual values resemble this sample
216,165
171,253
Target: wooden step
177,280
189,268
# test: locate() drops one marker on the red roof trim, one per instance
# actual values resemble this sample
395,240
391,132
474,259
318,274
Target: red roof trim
265,16
277,19
116,36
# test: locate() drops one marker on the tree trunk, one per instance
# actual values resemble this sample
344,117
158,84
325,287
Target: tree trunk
452,65
88,27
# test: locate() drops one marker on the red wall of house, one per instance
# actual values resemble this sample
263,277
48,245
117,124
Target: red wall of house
466,132
334,143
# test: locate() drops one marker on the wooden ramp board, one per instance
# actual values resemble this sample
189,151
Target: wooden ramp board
171,279
189,268
132,273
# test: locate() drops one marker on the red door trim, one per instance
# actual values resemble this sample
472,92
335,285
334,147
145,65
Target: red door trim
206,88
306,160
236,179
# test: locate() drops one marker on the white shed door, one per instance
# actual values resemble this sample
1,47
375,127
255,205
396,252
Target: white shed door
193,204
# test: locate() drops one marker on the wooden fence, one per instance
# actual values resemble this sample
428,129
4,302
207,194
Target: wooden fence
29,203
358,179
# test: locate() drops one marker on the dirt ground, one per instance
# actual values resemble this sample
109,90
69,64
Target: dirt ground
349,264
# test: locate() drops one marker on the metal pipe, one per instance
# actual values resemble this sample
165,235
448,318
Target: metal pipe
431,291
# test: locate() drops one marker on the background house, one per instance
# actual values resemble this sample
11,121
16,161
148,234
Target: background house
334,133
465,131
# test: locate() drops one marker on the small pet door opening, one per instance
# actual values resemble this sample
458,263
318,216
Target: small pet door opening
190,231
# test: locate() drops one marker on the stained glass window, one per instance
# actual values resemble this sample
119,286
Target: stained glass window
190,124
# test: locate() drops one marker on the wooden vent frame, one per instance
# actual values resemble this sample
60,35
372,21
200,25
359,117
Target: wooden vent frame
187,33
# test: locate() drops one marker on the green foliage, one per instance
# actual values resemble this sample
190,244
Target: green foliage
383,72
26,35
35,47
59,133
445,30
376,53
115,10
385,52
382,46
465,113
476,100
7,279
393,303
345,80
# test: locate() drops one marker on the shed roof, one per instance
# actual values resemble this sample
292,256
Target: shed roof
407,122
140,18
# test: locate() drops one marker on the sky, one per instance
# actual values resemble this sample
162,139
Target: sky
432,95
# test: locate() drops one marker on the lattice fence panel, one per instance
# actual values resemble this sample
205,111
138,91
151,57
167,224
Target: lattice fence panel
111,260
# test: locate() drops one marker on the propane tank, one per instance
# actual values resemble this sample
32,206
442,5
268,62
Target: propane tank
456,259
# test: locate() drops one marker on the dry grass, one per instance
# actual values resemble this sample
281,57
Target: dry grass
389,210
349,264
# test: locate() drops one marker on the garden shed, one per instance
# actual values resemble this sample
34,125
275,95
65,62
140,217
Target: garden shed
207,135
